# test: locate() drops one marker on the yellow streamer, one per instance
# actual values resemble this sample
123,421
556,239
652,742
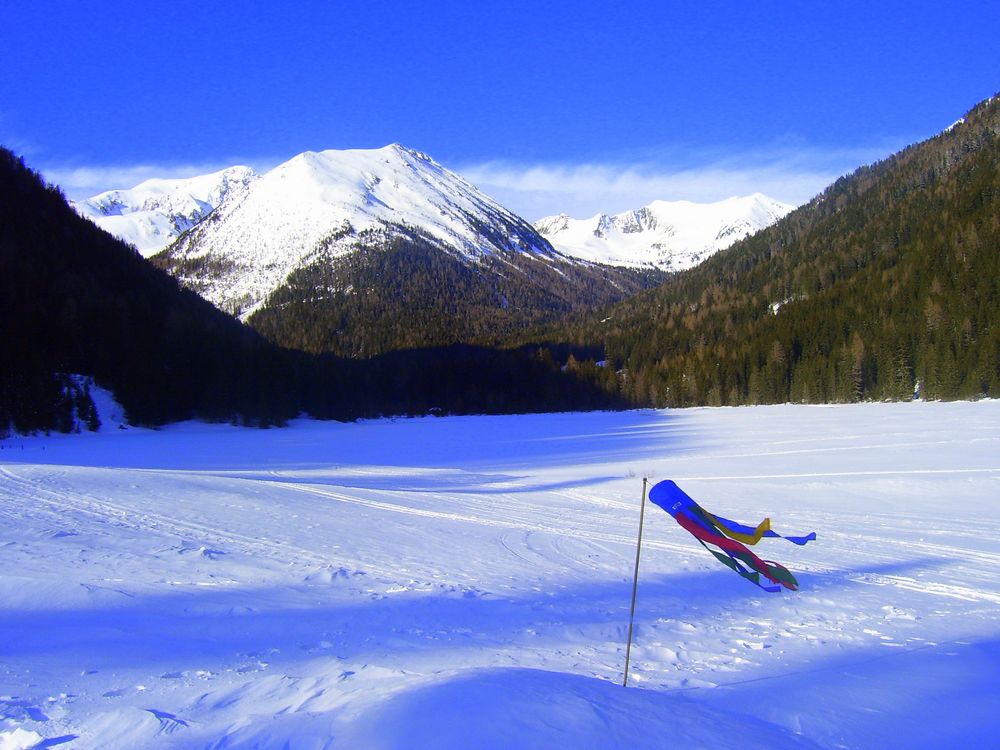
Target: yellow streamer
762,528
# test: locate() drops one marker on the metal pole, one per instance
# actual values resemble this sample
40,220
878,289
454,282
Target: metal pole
635,583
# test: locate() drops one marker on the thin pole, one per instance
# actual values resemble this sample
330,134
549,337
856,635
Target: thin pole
635,583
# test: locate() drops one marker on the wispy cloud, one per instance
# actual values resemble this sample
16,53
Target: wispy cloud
793,175
80,182
786,172
11,138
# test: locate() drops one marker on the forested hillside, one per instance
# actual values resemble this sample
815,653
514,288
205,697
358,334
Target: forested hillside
403,292
884,286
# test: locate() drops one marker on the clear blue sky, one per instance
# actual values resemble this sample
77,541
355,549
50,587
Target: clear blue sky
538,102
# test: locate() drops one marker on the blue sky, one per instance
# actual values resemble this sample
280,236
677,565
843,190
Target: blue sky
578,107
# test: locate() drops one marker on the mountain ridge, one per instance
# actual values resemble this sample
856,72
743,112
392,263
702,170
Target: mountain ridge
669,235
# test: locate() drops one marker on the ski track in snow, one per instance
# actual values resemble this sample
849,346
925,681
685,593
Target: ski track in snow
465,582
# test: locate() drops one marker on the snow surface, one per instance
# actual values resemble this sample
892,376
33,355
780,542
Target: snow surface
154,213
465,583
318,203
671,235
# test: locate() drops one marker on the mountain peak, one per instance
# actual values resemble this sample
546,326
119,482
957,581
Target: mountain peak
302,207
399,148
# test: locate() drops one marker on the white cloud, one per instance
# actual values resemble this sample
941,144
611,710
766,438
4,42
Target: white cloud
582,190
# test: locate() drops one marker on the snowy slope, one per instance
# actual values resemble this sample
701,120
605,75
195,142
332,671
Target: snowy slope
325,202
152,214
671,235
465,582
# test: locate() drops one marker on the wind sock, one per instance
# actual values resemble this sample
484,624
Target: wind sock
731,537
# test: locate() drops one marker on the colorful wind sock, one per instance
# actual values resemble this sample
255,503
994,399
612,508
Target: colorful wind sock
729,536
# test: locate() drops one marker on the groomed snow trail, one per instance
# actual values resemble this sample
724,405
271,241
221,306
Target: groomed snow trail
465,582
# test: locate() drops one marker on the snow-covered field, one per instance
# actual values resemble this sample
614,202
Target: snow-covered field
465,583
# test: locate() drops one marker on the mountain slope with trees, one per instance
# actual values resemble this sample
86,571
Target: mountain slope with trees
884,286
361,252
78,306
400,291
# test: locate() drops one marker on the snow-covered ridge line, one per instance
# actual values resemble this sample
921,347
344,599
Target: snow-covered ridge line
670,235
154,213
420,193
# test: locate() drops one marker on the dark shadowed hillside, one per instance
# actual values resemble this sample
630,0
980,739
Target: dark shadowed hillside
76,301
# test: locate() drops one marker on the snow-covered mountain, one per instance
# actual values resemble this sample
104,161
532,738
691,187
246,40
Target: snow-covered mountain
328,204
154,213
670,235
